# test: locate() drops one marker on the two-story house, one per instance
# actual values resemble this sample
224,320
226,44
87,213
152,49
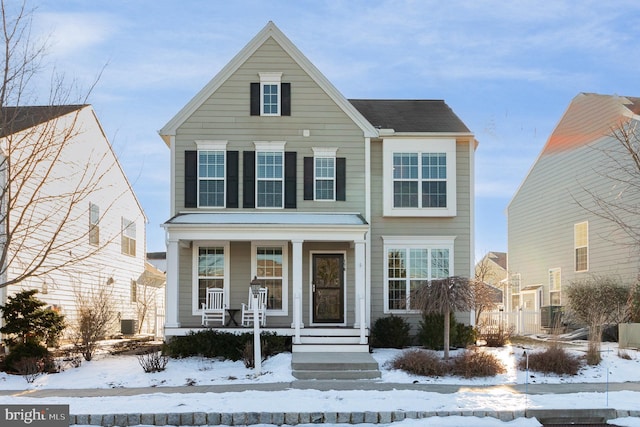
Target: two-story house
71,223
339,207
559,220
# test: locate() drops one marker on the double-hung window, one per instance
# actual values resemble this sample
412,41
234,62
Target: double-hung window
514,290
211,173
270,267
269,174
324,171
419,177
128,241
581,246
270,94
94,224
210,271
411,263
555,286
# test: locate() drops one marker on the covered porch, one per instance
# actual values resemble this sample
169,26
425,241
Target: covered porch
314,266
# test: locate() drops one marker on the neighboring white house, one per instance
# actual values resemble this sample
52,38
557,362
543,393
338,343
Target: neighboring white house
84,204
557,231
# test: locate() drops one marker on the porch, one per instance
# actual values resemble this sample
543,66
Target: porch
313,264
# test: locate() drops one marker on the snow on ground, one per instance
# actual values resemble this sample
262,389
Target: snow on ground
107,371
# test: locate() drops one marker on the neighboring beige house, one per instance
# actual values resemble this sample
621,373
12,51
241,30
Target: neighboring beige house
556,230
102,241
339,207
492,268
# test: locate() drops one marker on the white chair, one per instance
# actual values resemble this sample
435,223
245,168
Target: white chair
213,309
247,309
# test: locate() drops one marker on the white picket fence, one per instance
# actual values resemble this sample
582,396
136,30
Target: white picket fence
523,322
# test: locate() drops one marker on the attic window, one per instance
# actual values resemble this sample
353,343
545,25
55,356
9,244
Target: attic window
270,97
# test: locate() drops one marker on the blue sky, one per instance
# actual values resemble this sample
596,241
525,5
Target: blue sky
508,69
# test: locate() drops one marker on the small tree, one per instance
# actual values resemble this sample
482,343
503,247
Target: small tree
633,304
444,296
597,302
27,321
95,316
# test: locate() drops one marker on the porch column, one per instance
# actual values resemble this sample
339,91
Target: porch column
297,285
171,295
360,280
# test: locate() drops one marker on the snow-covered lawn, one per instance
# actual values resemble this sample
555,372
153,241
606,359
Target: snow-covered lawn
107,371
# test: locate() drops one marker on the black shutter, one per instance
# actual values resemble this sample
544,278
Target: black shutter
232,179
190,179
255,99
286,99
341,178
308,178
249,179
290,179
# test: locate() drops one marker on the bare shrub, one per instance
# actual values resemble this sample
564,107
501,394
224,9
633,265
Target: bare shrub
95,316
495,335
30,368
597,302
623,354
153,361
553,360
474,363
420,362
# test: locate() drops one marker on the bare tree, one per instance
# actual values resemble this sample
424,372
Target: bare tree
443,296
620,202
44,192
148,287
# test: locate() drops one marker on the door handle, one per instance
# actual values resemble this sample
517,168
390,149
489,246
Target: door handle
313,288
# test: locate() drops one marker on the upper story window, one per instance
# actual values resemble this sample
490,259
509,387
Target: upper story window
411,263
94,224
211,173
581,245
269,174
324,171
271,96
419,177
128,237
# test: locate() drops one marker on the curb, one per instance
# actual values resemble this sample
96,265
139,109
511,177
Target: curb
294,418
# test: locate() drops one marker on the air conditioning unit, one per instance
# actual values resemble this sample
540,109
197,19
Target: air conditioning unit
551,316
128,326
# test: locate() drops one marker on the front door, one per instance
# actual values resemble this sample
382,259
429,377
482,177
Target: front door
328,288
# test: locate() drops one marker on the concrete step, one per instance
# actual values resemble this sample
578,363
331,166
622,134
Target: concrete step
330,339
336,365
330,348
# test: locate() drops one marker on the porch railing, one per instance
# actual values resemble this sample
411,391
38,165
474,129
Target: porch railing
363,338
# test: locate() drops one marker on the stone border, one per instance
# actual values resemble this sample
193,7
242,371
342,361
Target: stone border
294,418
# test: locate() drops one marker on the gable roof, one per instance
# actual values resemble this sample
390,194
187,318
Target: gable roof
16,119
273,32
500,258
415,115
589,117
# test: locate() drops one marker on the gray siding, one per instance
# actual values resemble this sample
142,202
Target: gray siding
458,226
225,116
542,215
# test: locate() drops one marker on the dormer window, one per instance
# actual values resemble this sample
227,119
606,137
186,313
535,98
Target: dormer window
270,97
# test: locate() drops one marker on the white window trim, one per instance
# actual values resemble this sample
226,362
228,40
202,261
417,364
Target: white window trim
269,146
427,145
408,242
270,78
195,307
324,153
212,145
285,272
